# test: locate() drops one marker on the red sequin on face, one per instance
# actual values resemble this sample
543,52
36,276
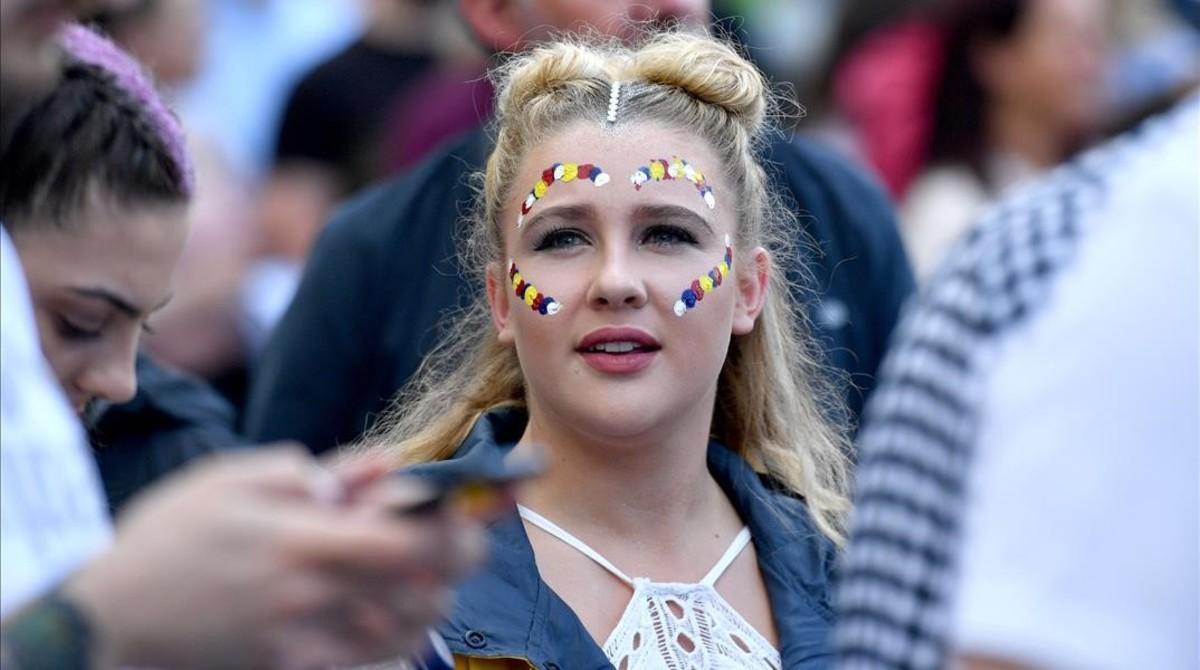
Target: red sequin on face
521,289
697,289
585,170
548,176
537,301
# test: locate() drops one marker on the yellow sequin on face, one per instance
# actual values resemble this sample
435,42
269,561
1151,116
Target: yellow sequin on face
723,268
656,171
516,280
706,283
570,171
530,294
539,189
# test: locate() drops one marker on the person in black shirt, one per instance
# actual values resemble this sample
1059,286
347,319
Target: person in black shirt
330,133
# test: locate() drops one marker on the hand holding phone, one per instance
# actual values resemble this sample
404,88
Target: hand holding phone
481,491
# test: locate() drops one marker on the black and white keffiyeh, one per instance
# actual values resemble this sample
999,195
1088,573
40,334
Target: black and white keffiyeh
915,448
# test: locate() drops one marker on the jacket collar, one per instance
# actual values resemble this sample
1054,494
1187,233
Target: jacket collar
507,611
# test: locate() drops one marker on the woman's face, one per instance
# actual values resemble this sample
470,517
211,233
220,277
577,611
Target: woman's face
615,360
1052,65
94,283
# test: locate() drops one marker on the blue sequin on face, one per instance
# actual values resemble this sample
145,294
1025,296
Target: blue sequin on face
688,298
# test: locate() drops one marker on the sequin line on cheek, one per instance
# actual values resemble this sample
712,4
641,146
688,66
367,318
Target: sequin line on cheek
534,299
706,283
676,168
564,172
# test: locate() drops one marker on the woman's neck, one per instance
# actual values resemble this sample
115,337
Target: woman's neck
654,486
1020,132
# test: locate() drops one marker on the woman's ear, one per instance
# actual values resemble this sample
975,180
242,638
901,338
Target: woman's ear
752,291
497,293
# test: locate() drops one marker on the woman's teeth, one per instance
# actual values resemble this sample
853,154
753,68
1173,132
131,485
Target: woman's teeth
615,347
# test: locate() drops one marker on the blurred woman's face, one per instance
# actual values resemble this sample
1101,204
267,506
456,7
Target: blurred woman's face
94,281
1052,66
617,18
170,39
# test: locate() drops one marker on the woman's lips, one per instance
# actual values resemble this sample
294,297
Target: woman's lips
620,363
618,349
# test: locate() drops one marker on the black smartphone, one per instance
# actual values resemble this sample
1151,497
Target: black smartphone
480,489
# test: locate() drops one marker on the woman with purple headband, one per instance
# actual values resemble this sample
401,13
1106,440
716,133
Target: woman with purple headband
254,560
95,197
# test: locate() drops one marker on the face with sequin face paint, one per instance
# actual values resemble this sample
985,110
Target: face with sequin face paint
616,361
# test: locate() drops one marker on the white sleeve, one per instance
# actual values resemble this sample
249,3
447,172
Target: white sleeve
52,511
1081,530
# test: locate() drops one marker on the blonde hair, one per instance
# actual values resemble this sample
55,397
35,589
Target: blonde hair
774,402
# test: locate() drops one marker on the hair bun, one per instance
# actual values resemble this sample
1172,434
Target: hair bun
549,70
708,70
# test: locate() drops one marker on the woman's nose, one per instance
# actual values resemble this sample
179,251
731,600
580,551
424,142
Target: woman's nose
111,378
617,283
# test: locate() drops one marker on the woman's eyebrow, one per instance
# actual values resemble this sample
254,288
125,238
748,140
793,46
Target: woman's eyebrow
564,212
672,213
121,304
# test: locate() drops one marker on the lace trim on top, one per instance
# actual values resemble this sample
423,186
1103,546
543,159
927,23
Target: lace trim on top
676,626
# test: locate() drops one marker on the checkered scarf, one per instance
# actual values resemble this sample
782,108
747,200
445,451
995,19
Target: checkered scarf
915,449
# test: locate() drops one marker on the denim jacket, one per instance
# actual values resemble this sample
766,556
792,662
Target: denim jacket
507,617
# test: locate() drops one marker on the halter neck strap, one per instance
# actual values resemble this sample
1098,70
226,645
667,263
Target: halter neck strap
739,543
735,548
557,531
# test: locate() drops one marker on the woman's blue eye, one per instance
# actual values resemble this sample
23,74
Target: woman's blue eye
668,236
560,238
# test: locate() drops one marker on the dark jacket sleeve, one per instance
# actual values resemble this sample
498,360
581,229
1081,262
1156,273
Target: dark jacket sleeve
310,379
379,280
851,246
173,420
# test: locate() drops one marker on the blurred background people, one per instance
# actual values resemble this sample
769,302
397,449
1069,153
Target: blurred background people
330,141
955,102
1020,91
254,53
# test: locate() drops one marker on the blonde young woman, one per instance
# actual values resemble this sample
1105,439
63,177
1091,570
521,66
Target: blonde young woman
635,328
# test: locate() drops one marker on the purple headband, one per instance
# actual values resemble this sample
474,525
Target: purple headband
92,48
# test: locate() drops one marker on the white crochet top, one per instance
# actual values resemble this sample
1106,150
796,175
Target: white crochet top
674,626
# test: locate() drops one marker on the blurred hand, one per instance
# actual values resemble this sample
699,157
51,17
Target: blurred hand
265,559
